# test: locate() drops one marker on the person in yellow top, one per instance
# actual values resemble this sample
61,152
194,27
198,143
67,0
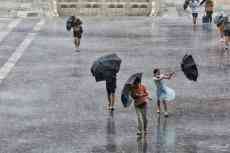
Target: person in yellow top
141,97
209,7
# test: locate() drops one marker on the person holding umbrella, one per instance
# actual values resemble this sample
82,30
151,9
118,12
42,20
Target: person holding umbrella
141,97
77,32
105,69
163,93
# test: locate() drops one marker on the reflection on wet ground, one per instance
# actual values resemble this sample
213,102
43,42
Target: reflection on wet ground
111,134
160,138
165,136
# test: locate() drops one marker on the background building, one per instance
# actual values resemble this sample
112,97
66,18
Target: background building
25,8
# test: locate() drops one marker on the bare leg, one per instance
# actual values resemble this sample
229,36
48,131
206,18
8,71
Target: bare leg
112,100
75,42
194,20
109,100
78,42
165,108
158,106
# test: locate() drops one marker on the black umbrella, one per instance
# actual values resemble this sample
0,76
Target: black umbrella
189,67
186,4
69,23
126,92
106,67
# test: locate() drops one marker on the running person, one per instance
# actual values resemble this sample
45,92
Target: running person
77,33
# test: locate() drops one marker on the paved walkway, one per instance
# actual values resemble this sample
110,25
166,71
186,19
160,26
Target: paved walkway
50,103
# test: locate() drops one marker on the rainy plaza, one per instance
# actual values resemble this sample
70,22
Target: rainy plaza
51,103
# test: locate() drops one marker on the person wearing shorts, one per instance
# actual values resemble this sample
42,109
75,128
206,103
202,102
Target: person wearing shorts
227,33
194,5
111,85
77,33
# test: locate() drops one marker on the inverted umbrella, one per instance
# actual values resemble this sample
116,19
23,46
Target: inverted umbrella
105,67
126,98
189,67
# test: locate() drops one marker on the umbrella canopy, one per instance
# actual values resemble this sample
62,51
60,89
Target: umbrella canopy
189,67
186,4
126,98
219,19
105,67
69,23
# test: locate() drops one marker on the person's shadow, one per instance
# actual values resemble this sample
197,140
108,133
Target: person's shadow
111,133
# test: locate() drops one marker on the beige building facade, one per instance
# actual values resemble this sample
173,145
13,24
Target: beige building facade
25,8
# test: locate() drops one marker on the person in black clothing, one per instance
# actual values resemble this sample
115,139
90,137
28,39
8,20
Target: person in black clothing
77,32
111,85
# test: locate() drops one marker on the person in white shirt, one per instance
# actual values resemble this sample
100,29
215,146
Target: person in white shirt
194,5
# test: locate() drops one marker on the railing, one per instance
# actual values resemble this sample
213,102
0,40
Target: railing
108,7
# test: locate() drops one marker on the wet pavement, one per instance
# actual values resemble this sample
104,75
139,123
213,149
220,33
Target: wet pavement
50,103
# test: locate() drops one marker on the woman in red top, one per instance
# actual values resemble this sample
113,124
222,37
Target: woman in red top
140,96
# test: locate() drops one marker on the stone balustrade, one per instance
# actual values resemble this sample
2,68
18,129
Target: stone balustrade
104,7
